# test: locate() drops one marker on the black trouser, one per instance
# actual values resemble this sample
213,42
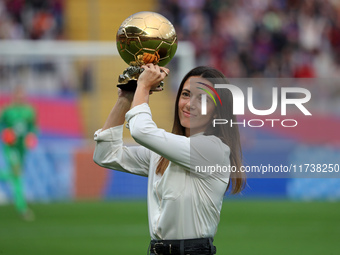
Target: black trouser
199,246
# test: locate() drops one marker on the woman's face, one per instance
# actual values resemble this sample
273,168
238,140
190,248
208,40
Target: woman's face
189,106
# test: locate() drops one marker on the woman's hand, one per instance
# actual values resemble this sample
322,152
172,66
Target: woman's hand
152,76
148,81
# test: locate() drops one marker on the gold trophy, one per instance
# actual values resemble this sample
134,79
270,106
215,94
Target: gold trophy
144,37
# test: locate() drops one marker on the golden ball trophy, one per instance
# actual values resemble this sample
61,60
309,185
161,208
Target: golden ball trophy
144,37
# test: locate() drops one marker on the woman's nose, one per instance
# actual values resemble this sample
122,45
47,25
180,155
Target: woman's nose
191,104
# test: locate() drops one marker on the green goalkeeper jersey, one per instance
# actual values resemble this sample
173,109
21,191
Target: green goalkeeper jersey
21,118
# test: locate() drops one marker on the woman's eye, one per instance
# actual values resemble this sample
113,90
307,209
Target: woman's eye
204,95
200,97
185,94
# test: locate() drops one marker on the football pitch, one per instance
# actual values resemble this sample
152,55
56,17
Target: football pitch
246,227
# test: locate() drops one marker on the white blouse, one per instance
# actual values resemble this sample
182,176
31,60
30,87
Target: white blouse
184,203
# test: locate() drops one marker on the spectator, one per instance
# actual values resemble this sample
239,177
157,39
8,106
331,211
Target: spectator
31,19
273,38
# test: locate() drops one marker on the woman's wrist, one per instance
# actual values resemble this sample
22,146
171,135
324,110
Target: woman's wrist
143,87
124,95
124,101
117,114
141,95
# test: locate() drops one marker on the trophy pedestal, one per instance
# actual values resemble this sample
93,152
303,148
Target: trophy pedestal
131,85
128,80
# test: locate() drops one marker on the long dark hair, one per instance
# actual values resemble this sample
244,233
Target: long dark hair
228,135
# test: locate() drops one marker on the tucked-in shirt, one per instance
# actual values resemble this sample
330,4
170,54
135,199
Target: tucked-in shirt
185,202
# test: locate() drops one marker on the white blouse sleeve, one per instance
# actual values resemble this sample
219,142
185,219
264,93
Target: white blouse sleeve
186,152
111,153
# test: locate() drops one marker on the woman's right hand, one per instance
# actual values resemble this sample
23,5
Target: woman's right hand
152,76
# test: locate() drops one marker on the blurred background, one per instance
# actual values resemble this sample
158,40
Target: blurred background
63,53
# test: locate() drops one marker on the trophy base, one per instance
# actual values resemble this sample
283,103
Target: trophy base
131,85
128,80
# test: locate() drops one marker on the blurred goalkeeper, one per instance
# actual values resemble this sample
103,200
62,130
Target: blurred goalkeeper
18,133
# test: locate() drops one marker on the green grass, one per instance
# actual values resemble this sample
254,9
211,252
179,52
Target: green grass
246,227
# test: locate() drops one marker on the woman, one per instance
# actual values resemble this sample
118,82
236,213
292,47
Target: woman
184,203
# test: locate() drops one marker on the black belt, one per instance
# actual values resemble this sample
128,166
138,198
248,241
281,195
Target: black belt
199,246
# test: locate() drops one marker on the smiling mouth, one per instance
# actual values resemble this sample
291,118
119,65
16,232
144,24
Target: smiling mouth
188,114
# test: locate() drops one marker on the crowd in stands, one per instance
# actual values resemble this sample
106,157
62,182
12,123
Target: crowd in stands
261,38
242,38
35,20
31,19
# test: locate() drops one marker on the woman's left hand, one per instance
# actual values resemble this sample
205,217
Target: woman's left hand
152,76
